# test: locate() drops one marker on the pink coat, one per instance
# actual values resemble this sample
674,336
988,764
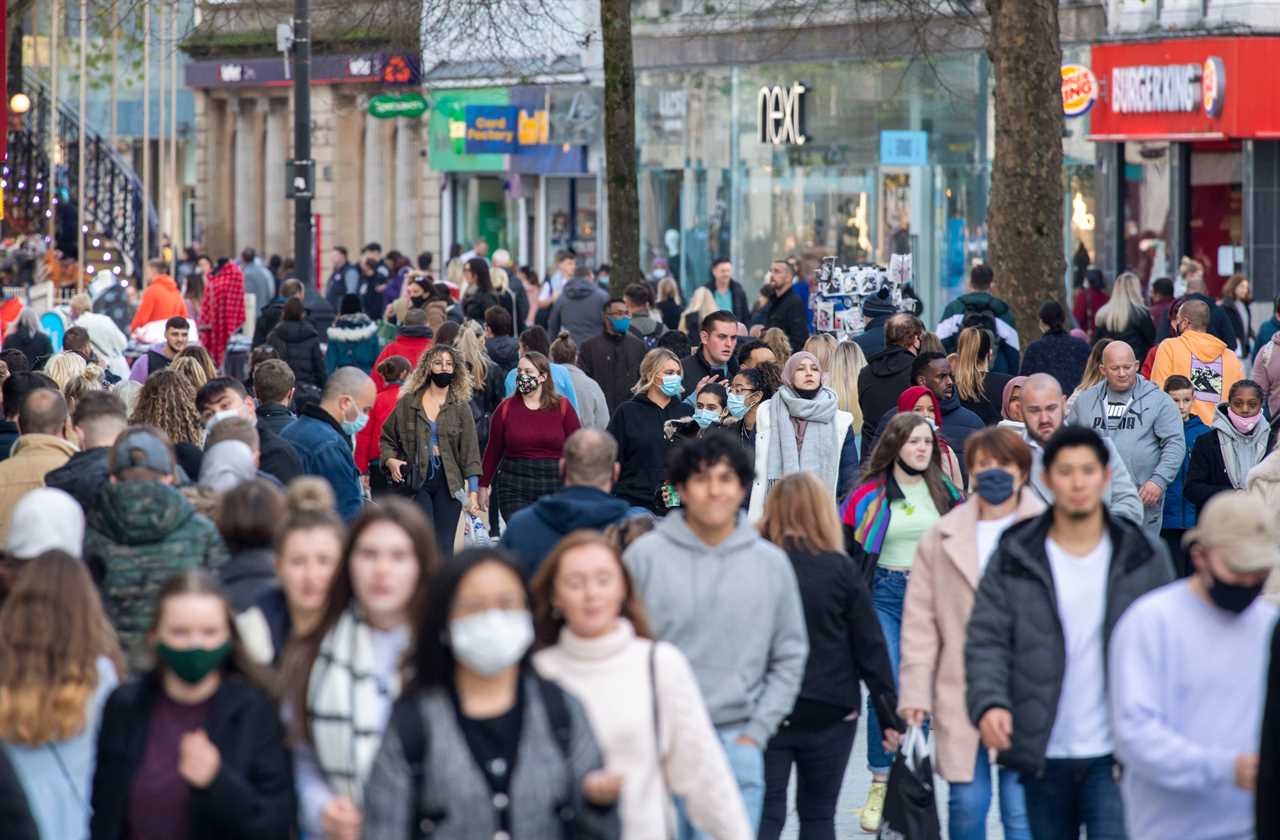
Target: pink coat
944,580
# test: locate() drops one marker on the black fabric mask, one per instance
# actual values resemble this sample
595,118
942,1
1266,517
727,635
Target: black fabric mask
417,302
806,393
443,379
1232,597
910,470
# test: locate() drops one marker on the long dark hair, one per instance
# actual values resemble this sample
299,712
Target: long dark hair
302,651
883,457
480,271
550,399
431,658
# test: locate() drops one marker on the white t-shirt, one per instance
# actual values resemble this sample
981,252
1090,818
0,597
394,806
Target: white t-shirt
989,532
1082,728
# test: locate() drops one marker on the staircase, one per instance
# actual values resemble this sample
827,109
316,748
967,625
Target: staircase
115,207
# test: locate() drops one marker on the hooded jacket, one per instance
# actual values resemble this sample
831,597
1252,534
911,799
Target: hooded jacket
82,477
1209,473
1266,371
1219,322
593,408
161,301
642,447
734,611
298,345
535,530
1059,354
24,470
353,342
578,311
1120,495
1204,359
648,329
1179,513
274,417
410,343
138,535
1148,435
504,350
1015,654
1007,346
885,377
247,576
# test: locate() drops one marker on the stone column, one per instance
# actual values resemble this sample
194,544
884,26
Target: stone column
376,182
407,186
248,209
276,228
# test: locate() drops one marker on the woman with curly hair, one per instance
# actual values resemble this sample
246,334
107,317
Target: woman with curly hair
168,402
59,660
191,370
201,355
428,445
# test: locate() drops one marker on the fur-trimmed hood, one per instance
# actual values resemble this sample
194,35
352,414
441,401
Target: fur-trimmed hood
356,327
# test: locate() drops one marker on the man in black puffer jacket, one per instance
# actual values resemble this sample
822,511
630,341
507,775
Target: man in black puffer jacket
1035,656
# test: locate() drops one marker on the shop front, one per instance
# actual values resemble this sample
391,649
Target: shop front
521,170
1189,150
857,160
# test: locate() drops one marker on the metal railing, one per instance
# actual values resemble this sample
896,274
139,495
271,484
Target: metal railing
113,194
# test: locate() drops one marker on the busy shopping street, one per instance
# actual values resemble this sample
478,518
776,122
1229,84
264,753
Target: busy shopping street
639,420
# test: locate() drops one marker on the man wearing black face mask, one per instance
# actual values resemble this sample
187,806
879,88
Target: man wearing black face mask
1187,679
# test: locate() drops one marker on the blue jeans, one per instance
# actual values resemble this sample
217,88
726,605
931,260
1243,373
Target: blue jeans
1072,792
747,764
968,804
888,591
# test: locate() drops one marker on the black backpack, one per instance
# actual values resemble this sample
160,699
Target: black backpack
415,742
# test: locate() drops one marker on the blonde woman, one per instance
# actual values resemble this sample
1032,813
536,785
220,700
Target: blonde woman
486,377
1125,317
847,363
980,390
191,370
669,302
846,647
823,347
1092,374
701,304
428,445
64,367
777,341
637,426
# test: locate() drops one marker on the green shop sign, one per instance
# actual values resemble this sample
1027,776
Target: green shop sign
391,105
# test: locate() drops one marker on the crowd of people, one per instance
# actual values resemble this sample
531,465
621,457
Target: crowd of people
486,555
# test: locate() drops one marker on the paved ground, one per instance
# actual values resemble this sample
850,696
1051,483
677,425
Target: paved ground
854,792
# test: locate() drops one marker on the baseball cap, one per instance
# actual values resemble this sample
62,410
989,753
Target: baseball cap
1239,524
141,449
46,519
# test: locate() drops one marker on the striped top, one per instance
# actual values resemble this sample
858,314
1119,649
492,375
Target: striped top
867,512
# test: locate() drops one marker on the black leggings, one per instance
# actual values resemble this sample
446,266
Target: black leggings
820,757
441,508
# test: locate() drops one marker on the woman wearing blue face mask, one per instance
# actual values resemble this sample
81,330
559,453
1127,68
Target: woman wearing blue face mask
638,425
709,412
479,744
949,562
750,389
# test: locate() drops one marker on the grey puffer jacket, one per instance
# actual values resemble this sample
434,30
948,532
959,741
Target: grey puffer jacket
1015,655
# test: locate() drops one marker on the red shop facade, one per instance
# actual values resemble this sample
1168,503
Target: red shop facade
1188,134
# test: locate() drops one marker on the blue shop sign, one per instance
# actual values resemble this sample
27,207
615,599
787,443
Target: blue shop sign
490,129
904,148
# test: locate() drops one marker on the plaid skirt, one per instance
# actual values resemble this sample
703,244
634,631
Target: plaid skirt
522,481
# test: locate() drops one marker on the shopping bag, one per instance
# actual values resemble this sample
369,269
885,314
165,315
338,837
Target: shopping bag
475,532
910,804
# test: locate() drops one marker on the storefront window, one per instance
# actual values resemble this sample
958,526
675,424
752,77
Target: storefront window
1146,210
572,218
1216,218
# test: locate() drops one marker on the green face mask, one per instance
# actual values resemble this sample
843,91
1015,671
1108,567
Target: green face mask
193,664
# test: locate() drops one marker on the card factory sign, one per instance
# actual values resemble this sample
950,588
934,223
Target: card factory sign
1168,88
780,111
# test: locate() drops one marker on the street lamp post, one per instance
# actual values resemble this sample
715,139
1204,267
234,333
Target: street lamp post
302,140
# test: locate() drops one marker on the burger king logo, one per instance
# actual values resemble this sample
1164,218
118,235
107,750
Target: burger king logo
1213,86
1079,90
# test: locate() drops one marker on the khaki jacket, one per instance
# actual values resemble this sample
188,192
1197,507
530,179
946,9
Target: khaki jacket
24,470
944,580
406,434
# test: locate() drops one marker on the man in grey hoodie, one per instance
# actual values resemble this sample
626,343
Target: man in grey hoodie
578,308
714,588
1043,410
1142,421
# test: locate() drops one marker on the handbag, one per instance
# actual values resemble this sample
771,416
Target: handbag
910,803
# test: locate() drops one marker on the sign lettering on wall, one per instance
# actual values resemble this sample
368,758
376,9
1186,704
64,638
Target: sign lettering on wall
780,112
1148,88
1079,90
490,129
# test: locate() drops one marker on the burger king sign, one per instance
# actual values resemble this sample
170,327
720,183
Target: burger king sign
1079,90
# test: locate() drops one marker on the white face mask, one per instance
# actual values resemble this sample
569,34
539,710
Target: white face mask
491,641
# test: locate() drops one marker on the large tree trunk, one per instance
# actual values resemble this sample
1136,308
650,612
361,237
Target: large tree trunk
620,145
1025,215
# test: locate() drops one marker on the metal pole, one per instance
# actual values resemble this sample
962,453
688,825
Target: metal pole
146,140
52,185
301,136
162,168
175,208
81,240
115,58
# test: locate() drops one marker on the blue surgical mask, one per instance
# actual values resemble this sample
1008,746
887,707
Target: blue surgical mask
620,325
994,486
705,417
737,406
353,427
673,384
